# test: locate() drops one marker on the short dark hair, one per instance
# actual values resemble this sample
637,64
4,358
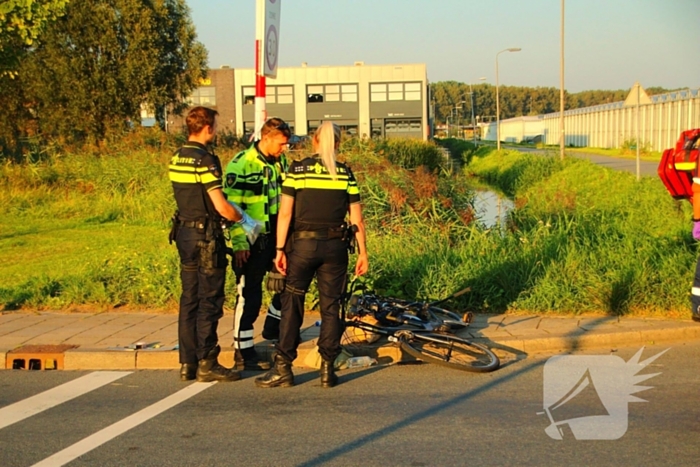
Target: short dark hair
199,117
275,125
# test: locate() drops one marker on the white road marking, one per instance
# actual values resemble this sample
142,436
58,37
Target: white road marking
18,411
97,439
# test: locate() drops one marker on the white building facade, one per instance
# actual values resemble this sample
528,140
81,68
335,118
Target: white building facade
365,100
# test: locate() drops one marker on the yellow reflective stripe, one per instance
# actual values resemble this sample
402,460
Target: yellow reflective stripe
182,168
249,200
323,184
183,178
208,178
353,190
685,165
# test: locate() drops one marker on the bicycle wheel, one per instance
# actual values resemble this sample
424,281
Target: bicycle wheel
450,351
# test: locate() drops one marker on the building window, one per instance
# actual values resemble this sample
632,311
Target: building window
274,95
249,96
331,93
402,126
203,96
285,94
412,91
377,92
377,125
382,92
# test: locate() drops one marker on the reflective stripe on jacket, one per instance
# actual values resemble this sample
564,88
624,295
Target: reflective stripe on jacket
255,185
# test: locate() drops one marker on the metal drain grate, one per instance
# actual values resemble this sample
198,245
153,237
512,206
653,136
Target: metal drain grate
37,357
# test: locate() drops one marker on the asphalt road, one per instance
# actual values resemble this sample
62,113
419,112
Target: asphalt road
412,415
646,168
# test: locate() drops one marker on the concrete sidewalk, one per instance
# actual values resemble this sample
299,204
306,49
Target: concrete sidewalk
110,341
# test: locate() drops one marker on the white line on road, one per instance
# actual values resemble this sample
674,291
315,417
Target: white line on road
33,405
91,442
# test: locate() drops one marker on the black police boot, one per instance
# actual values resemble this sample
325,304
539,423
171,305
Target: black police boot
188,371
250,362
328,376
279,376
210,370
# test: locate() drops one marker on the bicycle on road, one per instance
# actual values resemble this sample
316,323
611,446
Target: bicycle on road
422,329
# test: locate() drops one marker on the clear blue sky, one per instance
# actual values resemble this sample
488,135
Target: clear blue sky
609,44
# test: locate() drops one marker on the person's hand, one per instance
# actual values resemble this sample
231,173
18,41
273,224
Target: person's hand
362,264
240,258
275,281
696,230
281,262
251,227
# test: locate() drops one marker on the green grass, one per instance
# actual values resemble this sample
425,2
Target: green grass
90,229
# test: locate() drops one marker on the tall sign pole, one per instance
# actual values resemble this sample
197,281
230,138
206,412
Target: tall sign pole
267,20
562,134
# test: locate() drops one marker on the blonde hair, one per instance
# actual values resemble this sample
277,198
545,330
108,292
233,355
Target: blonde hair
326,138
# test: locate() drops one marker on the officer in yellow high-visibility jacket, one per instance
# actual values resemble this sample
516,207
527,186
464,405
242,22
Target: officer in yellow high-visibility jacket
253,180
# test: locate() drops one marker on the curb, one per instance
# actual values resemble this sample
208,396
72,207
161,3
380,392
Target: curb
593,341
386,353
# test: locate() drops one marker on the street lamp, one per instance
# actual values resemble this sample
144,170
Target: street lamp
498,107
458,116
471,95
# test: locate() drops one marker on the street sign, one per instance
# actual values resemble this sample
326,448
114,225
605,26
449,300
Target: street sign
269,42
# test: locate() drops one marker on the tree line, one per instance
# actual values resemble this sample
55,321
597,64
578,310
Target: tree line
453,99
81,70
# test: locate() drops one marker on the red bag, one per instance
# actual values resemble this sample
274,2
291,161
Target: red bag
679,165
678,182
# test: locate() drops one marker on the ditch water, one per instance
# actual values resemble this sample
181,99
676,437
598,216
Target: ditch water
491,208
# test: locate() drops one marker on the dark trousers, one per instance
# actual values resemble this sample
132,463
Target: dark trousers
328,260
202,299
249,297
695,292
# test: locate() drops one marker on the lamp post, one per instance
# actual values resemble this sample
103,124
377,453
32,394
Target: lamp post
498,107
471,96
458,117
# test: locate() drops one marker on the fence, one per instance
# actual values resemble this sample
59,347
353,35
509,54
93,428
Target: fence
610,125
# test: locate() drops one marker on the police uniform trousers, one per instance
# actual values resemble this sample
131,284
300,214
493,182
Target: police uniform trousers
249,281
202,299
328,260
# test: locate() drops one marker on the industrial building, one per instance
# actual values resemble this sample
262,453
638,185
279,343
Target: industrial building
367,100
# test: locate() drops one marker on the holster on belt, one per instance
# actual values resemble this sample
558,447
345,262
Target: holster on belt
174,227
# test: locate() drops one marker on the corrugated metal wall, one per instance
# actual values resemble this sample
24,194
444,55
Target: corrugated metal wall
610,125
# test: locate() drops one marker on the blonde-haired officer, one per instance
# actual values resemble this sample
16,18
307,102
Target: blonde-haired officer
312,240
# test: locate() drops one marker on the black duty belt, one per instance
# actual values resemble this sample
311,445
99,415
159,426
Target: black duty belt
192,224
328,234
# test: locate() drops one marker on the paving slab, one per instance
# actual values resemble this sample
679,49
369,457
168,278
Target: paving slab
50,332
25,322
85,322
9,317
166,336
94,337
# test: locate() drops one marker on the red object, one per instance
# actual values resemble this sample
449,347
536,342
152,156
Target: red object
678,165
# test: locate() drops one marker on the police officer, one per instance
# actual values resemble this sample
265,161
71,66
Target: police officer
312,239
195,174
253,180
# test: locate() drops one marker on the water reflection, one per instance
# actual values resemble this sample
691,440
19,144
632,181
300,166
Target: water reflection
491,208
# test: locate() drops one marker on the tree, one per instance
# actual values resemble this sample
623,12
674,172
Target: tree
93,69
21,23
